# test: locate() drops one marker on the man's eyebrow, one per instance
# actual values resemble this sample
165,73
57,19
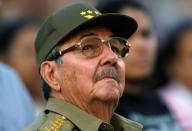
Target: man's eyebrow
85,35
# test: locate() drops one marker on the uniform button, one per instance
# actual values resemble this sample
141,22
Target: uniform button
106,127
103,127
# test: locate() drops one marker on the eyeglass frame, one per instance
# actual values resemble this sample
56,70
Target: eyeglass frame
78,45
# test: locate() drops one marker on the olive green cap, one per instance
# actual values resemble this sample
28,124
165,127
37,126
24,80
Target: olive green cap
73,18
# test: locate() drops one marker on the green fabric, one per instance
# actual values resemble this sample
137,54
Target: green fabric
77,119
118,122
54,122
76,17
80,118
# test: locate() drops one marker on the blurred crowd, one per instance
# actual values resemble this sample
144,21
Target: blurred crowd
158,90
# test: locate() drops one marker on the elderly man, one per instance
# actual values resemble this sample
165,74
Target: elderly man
79,53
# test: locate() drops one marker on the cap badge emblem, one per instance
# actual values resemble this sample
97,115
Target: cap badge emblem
89,14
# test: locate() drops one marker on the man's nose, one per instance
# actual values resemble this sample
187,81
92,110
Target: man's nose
108,56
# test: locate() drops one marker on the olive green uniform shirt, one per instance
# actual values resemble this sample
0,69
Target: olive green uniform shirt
62,116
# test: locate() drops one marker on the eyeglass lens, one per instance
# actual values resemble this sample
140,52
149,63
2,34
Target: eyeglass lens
92,46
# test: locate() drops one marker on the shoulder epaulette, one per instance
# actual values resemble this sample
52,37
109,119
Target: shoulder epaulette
56,122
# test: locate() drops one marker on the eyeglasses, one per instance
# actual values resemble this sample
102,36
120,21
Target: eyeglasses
92,46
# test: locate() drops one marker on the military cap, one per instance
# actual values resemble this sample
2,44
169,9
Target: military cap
73,18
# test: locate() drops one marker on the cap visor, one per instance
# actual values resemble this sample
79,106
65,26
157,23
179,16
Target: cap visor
121,25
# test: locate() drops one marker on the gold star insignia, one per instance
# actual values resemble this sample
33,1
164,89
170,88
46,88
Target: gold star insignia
83,13
89,16
89,11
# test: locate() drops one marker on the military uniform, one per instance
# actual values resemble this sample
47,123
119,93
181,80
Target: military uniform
62,116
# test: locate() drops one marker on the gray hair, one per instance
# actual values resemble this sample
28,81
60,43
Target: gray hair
46,88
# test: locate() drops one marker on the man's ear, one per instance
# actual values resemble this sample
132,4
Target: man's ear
48,72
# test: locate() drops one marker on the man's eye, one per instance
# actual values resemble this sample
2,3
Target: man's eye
146,33
115,50
87,47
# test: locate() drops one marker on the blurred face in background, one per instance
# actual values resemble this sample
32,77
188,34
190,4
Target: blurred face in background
15,8
182,64
21,57
32,6
139,63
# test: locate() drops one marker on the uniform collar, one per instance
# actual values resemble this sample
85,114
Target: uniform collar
74,114
87,122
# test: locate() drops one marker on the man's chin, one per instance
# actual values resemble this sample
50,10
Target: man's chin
108,90
108,95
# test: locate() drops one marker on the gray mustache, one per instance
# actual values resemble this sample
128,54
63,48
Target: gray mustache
107,72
